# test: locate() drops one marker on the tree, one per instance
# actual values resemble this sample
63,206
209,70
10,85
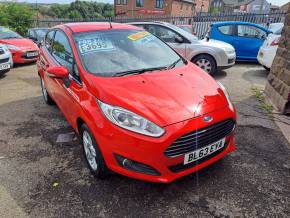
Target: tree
18,17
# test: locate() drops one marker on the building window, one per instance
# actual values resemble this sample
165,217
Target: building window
181,6
139,3
159,3
121,2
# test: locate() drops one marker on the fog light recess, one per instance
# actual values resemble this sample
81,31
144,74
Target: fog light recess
136,166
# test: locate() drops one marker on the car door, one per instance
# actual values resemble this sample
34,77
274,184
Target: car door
67,91
249,41
226,33
169,36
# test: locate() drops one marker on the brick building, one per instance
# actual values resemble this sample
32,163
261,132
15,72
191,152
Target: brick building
134,8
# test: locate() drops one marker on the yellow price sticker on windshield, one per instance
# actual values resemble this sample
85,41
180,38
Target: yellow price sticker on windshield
139,35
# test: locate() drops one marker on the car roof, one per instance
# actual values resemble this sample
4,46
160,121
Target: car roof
238,23
95,26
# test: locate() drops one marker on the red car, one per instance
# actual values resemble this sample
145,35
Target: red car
140,109
23,50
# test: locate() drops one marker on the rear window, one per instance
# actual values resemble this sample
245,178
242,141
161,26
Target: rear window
227,29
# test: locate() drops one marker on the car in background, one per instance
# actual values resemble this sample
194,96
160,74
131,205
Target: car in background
276,28
187,28
211,56
6,62
140,109
37,35
245,37
269,48
23,50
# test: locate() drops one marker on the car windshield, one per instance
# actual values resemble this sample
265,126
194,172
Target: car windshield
41,32
186,28
276,28
111,53
8,34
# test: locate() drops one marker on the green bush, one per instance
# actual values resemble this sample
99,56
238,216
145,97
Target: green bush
18,17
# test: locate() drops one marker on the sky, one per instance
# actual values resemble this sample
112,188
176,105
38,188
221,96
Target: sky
274,2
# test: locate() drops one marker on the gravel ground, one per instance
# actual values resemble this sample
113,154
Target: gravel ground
41,177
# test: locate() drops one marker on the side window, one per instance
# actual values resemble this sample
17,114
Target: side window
31,33
163,33
62,52
227,30
250,32
49,39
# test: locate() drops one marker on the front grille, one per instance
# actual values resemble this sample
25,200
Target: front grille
5,60
181,167
200,138
1,52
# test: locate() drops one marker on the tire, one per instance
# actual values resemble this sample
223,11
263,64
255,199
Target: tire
266,68
92,153
47,99
206,62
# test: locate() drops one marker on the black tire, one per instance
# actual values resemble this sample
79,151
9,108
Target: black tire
266,68
101,172
46,97
208,60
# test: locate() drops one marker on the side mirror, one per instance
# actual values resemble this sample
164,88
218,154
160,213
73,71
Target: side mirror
178,39
59,72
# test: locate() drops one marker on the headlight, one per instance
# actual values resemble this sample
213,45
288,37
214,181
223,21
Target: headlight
229,51
231,106
13,47
130,121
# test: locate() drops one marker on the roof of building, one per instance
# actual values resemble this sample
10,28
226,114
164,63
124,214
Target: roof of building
236,3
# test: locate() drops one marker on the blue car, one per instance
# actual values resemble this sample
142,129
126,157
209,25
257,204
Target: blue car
246,38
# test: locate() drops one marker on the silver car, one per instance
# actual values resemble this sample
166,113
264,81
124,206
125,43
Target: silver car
210,55
6,61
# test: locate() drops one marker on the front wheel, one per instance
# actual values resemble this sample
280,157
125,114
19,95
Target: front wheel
205,62
93,154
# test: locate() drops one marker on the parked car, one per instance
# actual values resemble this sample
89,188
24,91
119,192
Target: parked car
5,59
245,37
187,28
269,48
276,28
37,35
140,109
23,50
211,56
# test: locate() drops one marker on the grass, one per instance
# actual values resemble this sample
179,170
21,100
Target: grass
259,94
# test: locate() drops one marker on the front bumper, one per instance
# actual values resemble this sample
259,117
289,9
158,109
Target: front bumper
6,59
150,151
21,57
227,61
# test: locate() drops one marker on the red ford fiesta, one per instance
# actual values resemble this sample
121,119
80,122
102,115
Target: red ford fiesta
140,109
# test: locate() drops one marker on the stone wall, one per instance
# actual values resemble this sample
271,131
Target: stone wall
278,85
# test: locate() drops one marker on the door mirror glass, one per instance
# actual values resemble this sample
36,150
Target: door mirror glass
59,72
178,39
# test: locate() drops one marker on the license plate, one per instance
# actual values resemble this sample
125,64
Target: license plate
4,66
32,54
203,152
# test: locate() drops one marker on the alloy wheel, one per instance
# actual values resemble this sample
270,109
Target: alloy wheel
90,151
204,64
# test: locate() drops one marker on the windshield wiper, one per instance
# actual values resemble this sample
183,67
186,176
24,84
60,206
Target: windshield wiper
174,64
139,71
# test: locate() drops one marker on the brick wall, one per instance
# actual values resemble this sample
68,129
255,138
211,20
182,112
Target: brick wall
180,8
171,8
278,85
